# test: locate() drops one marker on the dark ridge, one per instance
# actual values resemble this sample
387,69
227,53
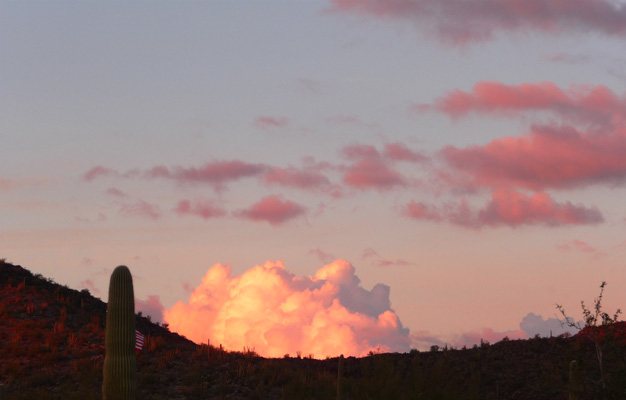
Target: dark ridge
52,347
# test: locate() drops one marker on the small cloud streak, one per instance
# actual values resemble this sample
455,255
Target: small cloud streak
216,173
508,208
97,172
581,246
275,312
116,192
382,262
461,22
272,209
400,152
141,208
597,105
271,122
322,255
205,209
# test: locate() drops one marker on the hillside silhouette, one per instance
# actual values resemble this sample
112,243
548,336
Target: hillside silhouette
52,347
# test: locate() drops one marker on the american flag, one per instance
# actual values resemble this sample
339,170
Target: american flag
140,339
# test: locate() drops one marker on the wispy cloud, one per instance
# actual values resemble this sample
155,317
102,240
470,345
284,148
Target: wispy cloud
579,245
508,208
205,209
265,122
461,22
141,208
595,105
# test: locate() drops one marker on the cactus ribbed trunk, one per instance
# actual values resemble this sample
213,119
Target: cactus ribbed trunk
340,378
119,373
575,384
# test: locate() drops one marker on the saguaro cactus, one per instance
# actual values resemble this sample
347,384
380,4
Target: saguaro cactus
119,375
340,378
575,384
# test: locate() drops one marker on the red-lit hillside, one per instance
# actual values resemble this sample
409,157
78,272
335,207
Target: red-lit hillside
52,347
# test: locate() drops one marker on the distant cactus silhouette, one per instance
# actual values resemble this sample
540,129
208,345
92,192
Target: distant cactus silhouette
119,372
575,384
340,379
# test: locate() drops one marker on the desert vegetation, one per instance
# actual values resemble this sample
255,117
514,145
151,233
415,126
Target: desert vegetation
52,346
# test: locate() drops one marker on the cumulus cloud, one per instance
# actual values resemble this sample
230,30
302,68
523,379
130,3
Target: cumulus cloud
534,324
509,208
150,307
275,312
423,340
205,209
272,209
460,22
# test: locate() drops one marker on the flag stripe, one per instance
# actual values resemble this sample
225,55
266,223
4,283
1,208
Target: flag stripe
139,340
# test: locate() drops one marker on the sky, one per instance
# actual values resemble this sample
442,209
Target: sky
325,176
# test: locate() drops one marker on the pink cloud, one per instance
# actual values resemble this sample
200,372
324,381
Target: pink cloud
322,255
307,178
369,169
294,177
513,209
216,173
460,22
380,261
548,157
275,312
581,246
272,209
141,208
203,208
116,192
99,171
400,152
508,208
594,104
271,122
